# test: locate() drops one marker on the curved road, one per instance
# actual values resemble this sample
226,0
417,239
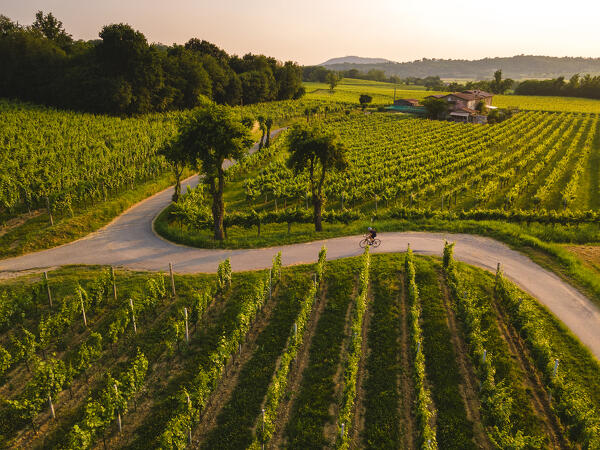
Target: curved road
130,242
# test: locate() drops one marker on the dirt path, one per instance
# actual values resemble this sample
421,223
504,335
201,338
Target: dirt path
532,380
407,388
295,376
468,390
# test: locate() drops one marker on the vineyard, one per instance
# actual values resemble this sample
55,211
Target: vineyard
535,167
349,90
343,354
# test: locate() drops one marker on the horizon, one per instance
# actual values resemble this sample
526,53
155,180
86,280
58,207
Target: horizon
313,33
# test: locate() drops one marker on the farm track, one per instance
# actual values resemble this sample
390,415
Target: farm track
469,389
532,379
295,376
219,398
407,388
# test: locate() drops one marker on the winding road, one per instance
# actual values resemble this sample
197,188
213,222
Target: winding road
130,242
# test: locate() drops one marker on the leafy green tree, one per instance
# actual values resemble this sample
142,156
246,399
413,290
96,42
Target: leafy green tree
332,80
211,135
316,151
51,28
436,108
364,101
178,160
498,85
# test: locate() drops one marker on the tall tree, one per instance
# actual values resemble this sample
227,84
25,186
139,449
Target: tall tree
211,135
261,126
332,80
51,28
318,152
498,85
268,125
178,159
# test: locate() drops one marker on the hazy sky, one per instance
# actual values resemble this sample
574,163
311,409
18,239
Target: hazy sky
310,31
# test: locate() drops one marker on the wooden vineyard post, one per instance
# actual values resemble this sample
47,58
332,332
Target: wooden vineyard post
187,330
133,316
555,372
484,357
48,289
172,279
82,308
114,282
49,211
51,406
342,432
118,411
270,283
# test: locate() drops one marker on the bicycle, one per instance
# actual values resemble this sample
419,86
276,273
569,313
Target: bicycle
367,241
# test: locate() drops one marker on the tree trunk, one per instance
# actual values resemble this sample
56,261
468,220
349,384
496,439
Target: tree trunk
268,141
177,192
318,206
218,207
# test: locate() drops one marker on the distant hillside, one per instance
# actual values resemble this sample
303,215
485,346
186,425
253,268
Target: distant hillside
355,60
516,67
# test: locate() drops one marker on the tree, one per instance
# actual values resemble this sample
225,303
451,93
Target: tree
364,100
498,85
261,126
313,149
332,80
268,125
436,108
178,159
52,29
211,135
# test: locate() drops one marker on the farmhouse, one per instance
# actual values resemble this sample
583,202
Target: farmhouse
407,105
462,106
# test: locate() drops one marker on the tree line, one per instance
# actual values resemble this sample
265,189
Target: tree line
121,73
587,86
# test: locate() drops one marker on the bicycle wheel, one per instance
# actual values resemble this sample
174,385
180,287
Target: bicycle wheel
376,243
364,243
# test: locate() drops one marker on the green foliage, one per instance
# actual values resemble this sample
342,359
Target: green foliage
496,397
101,407
277,386
354,354
425,411
570,400
224,276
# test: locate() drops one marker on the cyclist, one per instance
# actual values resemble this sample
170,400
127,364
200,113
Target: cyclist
371,235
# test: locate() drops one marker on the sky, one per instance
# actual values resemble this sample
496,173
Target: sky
310,32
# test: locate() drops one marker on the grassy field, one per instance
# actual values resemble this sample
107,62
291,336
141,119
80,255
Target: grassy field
226,416
349,90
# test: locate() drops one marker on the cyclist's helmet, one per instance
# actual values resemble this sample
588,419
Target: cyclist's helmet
370,229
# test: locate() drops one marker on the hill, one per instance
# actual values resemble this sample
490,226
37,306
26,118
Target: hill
355,60
516,67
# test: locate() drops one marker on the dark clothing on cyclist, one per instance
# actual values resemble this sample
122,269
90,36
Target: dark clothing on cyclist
372,233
